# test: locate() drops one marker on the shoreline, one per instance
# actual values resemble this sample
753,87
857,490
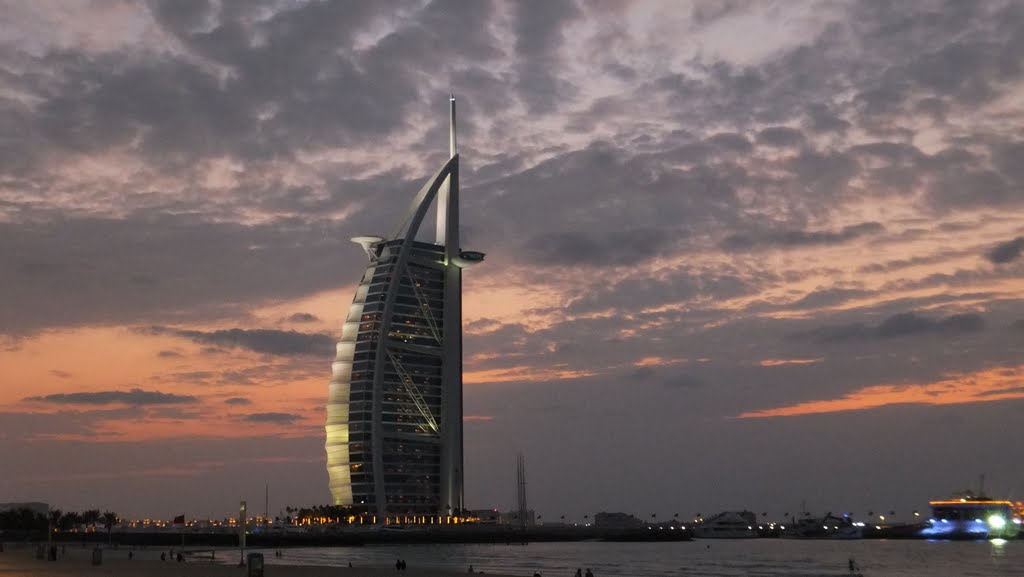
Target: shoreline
19,559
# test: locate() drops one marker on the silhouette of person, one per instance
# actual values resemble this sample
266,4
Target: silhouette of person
588,573
398,564
163,556
579,572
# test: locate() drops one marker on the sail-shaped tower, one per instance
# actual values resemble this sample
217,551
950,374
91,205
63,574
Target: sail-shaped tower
394,409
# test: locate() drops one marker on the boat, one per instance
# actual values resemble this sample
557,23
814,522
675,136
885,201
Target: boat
827,527
728,525
973,516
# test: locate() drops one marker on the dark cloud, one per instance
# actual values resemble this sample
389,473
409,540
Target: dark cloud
684,381
236,401
629,247
800,238
1008,251
899,325
267,341
279,418
81,268
130,397
168,354
539,33
303,318
781,136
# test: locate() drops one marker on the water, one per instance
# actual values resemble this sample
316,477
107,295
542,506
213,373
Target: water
705,558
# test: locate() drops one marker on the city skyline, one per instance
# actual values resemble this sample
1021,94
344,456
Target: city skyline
740,254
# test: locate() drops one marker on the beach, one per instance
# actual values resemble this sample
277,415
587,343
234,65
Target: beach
20,560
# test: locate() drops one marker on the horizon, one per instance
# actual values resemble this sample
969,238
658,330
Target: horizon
741,253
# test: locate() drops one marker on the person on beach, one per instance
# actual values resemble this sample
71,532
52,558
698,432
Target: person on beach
588,573
163,556
579,572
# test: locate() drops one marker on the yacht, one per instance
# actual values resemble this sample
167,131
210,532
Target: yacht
728,525
827,527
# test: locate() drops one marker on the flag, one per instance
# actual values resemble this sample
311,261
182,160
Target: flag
179,520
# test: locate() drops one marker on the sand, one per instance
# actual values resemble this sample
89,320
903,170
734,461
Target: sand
20,560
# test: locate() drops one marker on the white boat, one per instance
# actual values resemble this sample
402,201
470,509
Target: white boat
728,525
827,527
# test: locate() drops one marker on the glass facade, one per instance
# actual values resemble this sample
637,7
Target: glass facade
410,394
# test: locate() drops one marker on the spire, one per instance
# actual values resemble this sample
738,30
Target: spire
451,126
448,195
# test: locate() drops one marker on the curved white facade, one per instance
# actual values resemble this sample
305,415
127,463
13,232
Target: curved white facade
394,412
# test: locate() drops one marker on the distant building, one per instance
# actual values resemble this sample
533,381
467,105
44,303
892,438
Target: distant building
394,410
616,521
35,507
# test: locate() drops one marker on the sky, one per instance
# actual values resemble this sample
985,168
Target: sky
761,255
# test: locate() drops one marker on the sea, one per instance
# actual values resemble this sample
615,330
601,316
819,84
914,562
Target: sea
704,558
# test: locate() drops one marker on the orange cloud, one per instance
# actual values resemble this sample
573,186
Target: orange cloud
522,373
782,362
657,362
990,385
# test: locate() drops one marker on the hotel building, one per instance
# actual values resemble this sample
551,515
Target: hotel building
394,411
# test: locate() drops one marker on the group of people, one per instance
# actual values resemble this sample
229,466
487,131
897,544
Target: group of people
400,565
180,557
579,573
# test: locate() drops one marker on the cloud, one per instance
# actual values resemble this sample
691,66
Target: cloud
236,401
628,247
168,354
684,381
303,318
280,418
780,136
789,239
1008,251
990,385
135,396
269,341
899,325
92,284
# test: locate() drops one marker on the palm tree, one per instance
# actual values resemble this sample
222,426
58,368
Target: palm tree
109,520
91,517
69,520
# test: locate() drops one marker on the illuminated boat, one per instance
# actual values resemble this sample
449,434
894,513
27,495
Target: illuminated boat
728,525
827,527
974,517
